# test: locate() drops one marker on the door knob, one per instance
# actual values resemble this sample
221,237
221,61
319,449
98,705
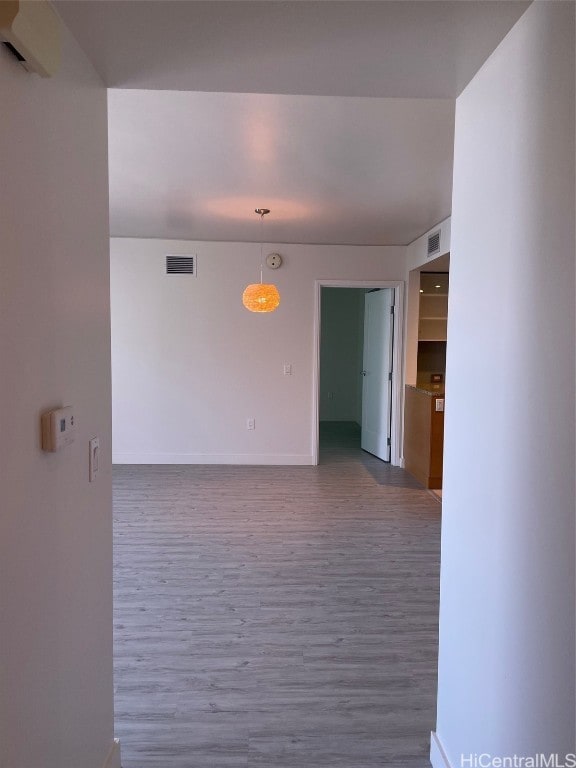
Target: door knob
363,373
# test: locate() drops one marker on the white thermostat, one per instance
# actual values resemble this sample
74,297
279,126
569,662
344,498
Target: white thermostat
58,428
274,260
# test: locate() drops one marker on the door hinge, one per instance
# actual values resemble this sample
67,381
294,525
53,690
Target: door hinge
390,376
389,441
392,308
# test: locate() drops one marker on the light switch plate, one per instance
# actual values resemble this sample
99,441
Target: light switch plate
94,458
439,404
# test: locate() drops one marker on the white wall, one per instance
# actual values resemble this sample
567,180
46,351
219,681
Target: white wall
56,695
191,364
506,667
341,352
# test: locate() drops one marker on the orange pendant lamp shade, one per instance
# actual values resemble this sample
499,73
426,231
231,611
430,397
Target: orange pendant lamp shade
260,297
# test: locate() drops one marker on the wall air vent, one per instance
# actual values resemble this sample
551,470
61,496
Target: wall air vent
434,243
181,264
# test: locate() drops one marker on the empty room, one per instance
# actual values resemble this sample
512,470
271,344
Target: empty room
226,331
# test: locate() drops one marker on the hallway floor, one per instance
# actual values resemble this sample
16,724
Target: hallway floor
274,617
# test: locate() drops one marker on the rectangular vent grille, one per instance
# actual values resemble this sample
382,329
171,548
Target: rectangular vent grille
434,243
180,265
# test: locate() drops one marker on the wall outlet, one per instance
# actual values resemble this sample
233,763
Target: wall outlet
439,404
287,369
250,423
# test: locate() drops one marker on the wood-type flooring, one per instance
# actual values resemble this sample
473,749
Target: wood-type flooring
274,617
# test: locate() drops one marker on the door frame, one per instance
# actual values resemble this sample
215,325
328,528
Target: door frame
397,360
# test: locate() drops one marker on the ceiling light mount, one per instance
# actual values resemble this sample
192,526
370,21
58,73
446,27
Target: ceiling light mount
261,211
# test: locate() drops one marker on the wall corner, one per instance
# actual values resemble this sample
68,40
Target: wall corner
438,757
114,759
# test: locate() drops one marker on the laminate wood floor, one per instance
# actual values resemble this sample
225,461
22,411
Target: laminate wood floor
273,617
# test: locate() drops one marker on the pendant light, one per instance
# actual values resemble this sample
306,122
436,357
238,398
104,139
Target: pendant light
261,297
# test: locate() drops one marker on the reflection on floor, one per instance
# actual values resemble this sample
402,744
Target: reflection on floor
276,616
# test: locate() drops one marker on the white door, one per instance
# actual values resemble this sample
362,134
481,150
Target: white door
377,372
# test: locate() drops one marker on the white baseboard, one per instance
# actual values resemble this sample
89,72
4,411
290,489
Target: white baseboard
437,753
113,760
252,459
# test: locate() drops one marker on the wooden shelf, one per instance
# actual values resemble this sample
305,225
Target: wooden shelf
433,329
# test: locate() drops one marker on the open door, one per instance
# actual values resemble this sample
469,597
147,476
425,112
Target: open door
377,372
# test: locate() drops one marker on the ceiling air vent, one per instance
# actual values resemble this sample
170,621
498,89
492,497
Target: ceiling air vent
434,243
181,264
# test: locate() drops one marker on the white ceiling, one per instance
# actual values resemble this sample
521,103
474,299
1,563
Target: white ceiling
391,48
352,143
332,170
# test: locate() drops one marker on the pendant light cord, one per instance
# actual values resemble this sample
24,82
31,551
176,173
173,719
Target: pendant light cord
261,245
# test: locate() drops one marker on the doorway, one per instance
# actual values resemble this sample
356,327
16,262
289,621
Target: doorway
424,399
362,379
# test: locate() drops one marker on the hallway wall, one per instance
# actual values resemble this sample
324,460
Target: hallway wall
56,693
506,665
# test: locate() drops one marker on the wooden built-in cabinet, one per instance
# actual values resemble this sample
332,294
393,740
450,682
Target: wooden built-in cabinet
423,436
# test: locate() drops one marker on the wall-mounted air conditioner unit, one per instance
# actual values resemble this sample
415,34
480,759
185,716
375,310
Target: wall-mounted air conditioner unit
31,30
